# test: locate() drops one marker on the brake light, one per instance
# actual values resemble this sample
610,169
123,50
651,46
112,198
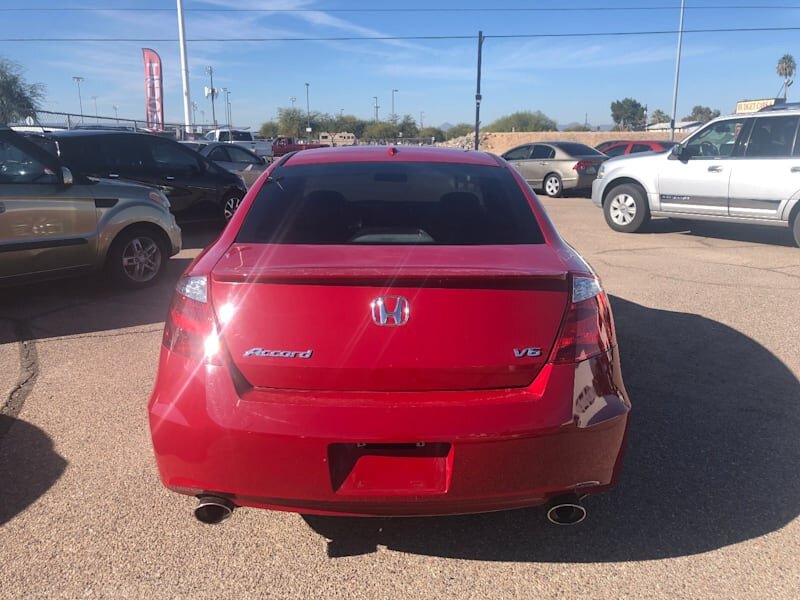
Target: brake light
191,329
582,165
588,327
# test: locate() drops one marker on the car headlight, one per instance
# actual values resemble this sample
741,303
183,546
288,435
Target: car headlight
601,171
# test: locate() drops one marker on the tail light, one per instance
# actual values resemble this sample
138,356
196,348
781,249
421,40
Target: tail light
588,327
583,165
191,329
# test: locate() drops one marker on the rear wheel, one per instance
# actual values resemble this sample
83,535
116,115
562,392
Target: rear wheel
230,204
552,185
626,208
137,258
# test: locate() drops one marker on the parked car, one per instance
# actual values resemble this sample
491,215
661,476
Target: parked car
603,145
55,222
635,147
556,166
195,186
739,169
236,159
242,138
384,331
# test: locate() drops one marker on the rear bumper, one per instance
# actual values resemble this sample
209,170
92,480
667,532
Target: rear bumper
390,454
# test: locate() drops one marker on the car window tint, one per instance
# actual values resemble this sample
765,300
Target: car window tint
391,203
716,140
219,153
615,150
576,149
518,153
17,166
241,136
241,155
640,148
543,152
773,137
168,154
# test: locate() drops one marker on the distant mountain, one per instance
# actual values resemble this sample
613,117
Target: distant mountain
445,126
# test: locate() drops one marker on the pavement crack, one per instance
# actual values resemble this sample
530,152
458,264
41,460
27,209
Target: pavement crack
29,372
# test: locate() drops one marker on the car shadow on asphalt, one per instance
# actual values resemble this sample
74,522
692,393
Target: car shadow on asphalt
712,461
89,304
774,236
29,466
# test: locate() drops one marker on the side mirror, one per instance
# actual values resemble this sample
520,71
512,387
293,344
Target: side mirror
66,176
676,153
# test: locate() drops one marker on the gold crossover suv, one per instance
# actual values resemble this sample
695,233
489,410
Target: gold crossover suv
55,223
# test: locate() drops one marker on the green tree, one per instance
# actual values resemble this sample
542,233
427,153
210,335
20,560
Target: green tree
659,116
291,121
460,130
785,69
627,113
18,99
350,124
269,129
701,113
380,131
523,121
408,127
426,133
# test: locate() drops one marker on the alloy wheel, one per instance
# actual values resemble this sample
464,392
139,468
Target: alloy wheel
141,259
623,209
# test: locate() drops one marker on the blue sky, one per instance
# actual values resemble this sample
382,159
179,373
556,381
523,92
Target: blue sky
568,78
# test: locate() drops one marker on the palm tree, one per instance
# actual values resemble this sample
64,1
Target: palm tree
786,68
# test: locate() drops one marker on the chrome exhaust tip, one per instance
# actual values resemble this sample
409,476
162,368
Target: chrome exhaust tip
566,510
213,509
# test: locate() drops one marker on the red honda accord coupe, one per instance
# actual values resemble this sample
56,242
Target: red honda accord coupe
389,331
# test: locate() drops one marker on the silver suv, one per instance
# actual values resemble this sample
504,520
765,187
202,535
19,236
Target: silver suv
55,223
740,168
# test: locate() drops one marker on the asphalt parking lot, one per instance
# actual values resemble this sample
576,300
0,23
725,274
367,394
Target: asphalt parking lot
708,320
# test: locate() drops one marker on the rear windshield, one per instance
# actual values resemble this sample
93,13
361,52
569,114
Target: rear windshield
397,203
576,149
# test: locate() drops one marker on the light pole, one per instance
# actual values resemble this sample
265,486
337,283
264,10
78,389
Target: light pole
341,112
194,114
227,93
677,76
96,118
78,80
308,112
376,107
292,99
394,116
116,114
212,92
421,114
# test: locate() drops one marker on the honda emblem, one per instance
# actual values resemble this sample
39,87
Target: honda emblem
390,311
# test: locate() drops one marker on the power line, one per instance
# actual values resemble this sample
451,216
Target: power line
412,10
411,37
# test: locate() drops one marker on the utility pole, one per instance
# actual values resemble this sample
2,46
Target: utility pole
116,114
212,92
394,116
376,107
478,96
96,116
78,80
308,114
421,114
187,101
677,75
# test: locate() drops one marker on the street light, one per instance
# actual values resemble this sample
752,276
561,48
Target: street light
194,113
292,99
308,112
116,114
227,93
394,116
376,107
96,118
78,80
210,91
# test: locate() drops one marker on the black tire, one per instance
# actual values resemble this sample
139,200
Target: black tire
552,185
796,228
137,258
230,203
626,208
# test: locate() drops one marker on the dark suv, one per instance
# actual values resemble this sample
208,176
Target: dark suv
196,187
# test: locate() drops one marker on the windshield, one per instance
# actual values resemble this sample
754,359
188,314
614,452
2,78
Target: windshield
397,203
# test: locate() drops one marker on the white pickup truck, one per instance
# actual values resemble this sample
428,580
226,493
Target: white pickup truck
241,137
